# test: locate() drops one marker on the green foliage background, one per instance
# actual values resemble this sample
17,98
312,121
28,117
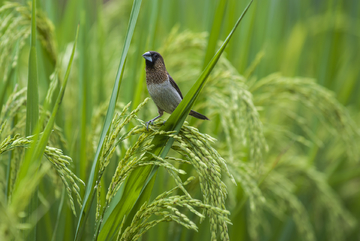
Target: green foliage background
283,101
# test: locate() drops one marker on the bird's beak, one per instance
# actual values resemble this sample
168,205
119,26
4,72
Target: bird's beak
147,56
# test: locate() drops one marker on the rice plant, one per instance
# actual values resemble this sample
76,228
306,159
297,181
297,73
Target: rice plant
278,159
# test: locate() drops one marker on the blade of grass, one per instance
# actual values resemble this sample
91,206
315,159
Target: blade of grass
139,178
11,76
49,126
83,94
58,217
140,86
101,46
215,31
15,54
89,193
70,15
213,39
32,105
32,162
178,117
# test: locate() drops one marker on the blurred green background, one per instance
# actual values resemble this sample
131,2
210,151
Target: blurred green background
317,39
294,63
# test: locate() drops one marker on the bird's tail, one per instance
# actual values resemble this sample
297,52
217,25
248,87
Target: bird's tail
198,115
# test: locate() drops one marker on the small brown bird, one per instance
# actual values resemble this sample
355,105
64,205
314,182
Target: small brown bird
162,88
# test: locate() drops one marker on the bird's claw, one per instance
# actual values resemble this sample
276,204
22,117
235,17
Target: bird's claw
147,124
151,122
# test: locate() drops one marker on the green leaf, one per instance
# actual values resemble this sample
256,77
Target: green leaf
58,217
49,126
5,87
88,198
32,162
215,31
154,15
11,70
178,117
32,109
32,103
139,178
84,92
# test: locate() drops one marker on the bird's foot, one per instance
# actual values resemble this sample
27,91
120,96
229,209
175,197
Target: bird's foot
164,122
151,122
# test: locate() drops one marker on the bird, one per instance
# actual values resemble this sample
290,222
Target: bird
162,88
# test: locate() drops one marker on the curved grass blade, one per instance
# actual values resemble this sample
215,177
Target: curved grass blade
139,178
178,117
89,193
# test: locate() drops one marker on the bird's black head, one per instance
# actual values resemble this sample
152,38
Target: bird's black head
153,59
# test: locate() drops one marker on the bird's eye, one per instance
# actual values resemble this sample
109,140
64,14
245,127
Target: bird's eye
155,55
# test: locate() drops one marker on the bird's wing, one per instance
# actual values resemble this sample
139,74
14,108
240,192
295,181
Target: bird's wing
175,86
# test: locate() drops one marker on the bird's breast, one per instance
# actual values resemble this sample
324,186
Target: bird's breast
164,95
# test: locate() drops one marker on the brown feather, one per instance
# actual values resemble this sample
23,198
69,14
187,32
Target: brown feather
173,83
156,73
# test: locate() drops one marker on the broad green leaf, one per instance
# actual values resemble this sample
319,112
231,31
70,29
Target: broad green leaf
139,178
89,193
